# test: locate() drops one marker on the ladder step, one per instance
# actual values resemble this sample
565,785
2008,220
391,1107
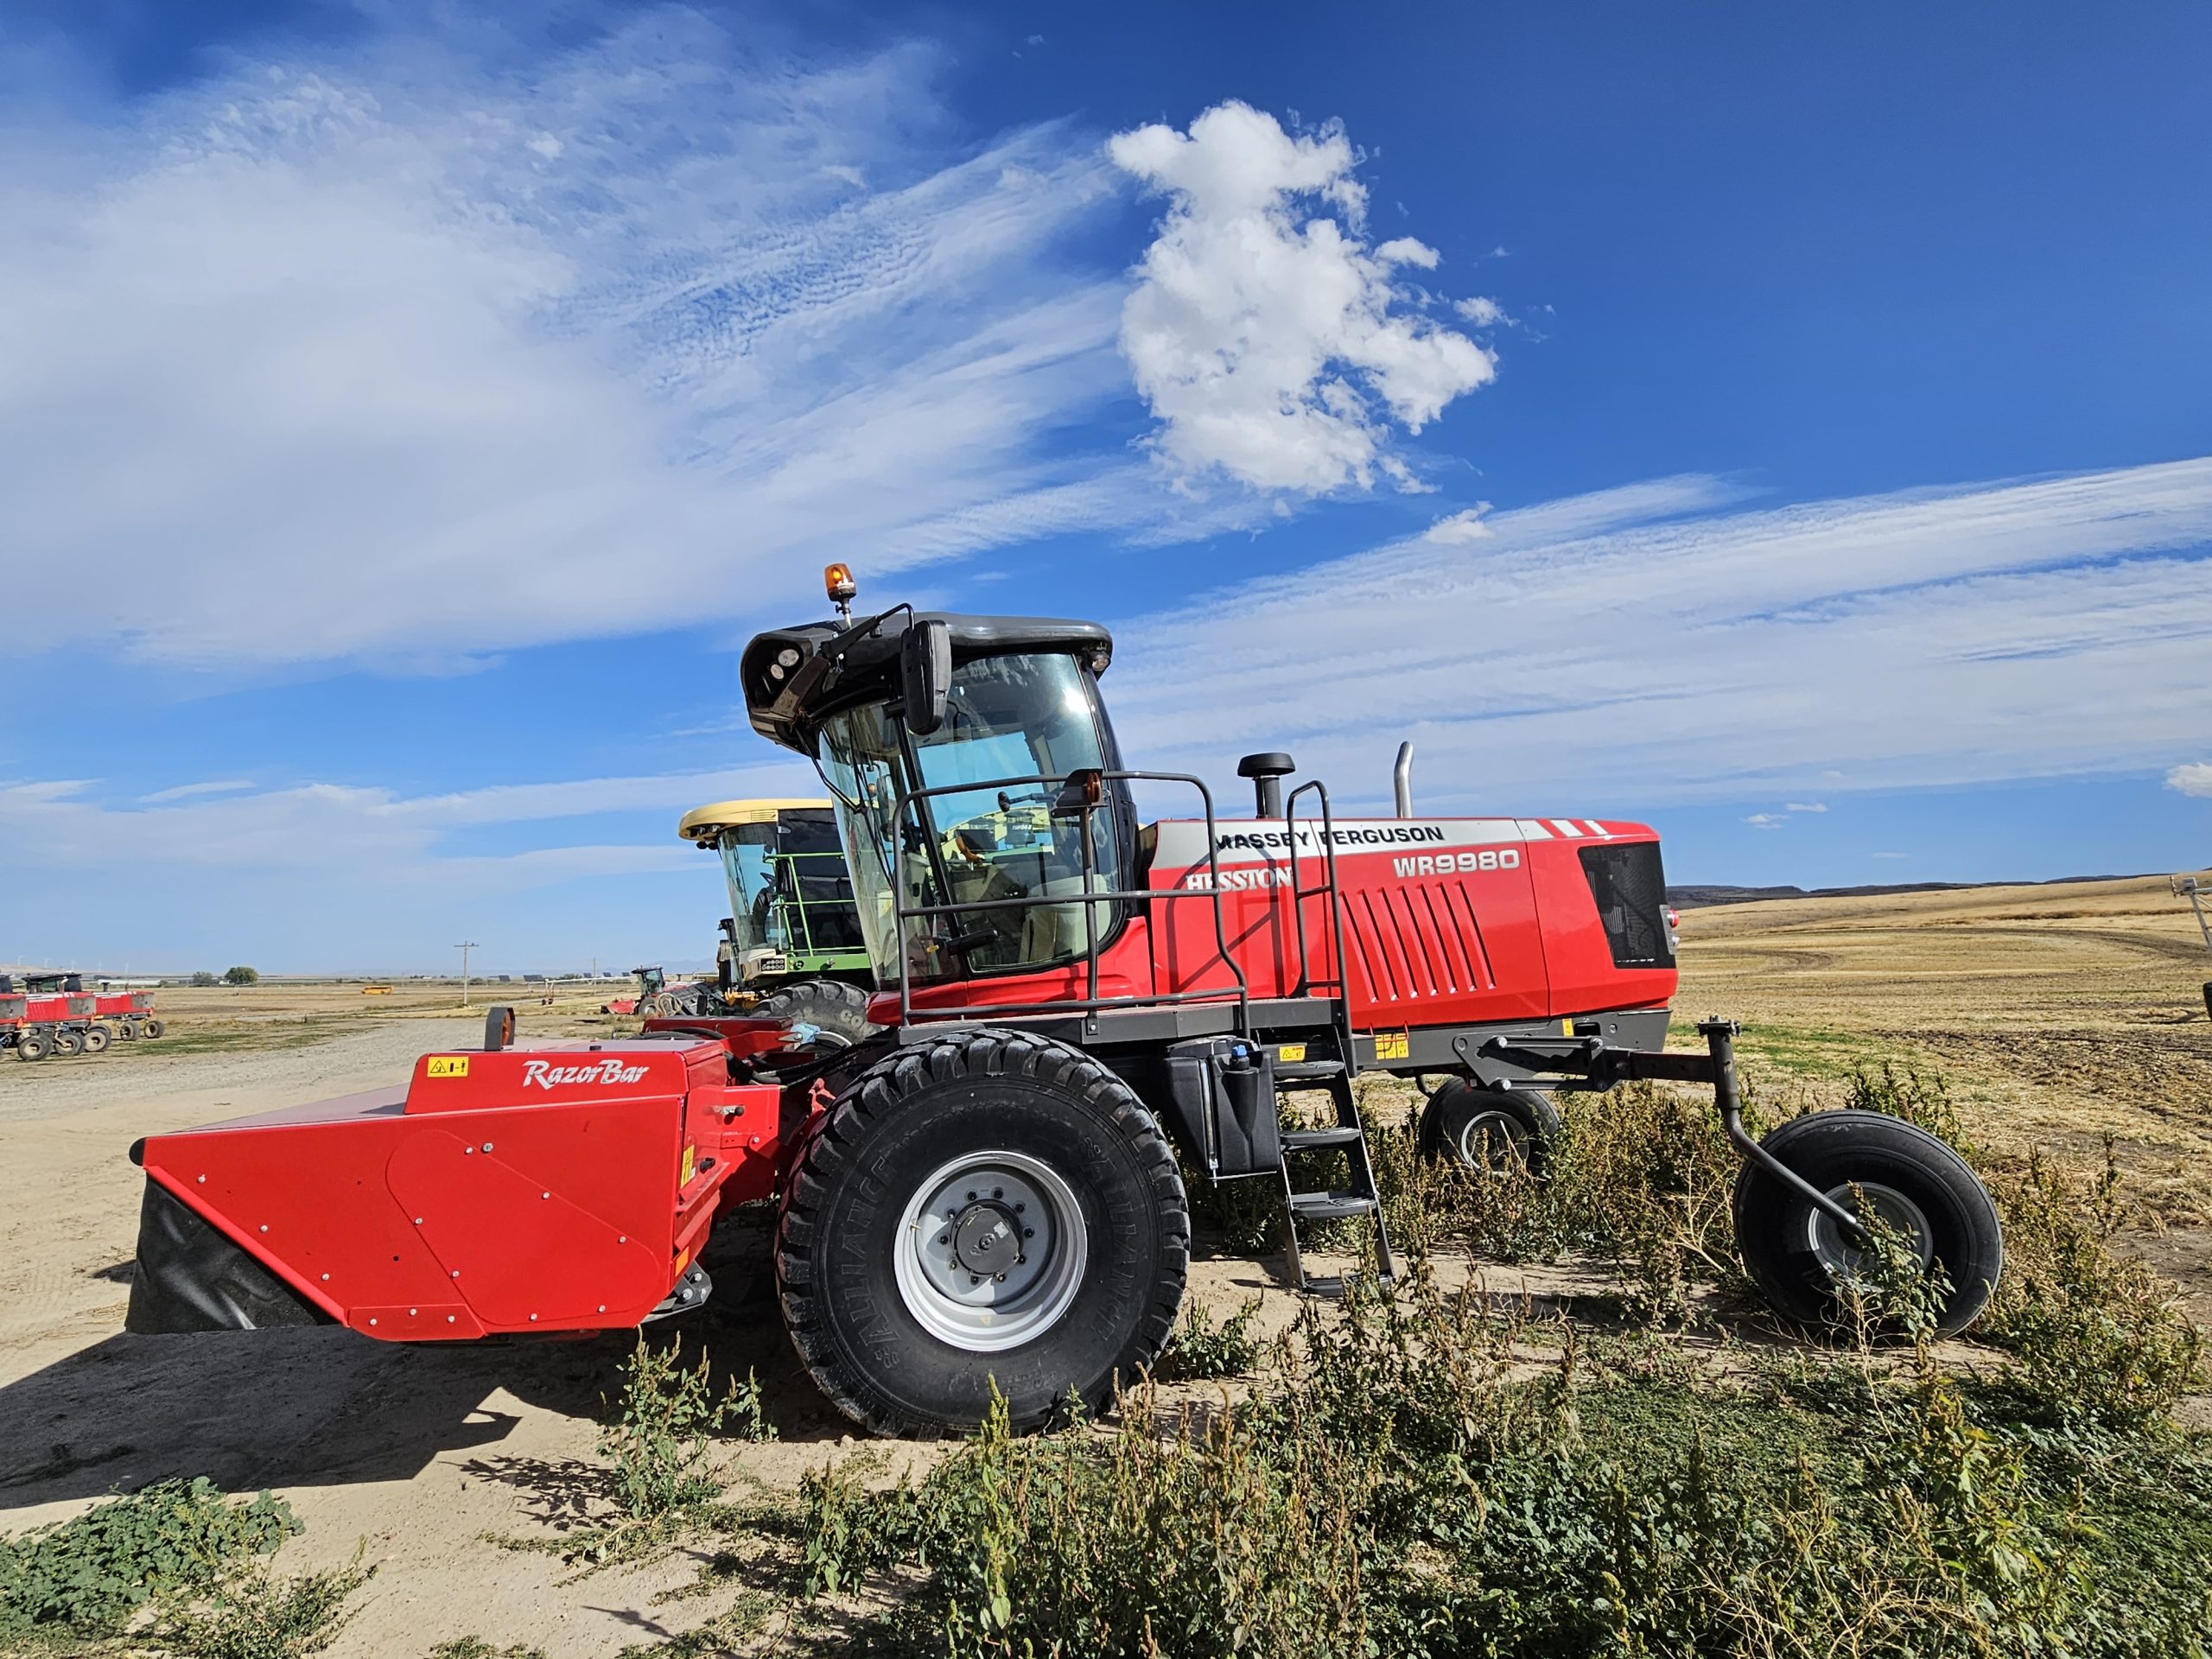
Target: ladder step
1330,1206
1316,1140
1308,1071
1333,1284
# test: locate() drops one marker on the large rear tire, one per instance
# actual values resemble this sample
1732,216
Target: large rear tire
989,1210
32,1043
67,1044
839,1009
96,1039
1801,1260
153,1027
1491,1130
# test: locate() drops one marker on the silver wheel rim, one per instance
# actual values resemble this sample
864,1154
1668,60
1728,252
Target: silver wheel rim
1845,1261
1492,1141
990,1251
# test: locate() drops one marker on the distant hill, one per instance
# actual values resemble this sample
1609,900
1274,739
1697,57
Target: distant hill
1702,898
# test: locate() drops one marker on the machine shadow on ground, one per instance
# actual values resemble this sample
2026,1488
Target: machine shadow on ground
326,1407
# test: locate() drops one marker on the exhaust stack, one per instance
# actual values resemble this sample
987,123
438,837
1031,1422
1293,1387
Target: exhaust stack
1401,781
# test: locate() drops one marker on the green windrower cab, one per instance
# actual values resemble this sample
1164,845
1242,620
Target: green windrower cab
791,944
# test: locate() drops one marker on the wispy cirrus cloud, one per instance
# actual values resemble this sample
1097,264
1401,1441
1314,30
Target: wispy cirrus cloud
188,791
1649,646
429,352
320,877
366,832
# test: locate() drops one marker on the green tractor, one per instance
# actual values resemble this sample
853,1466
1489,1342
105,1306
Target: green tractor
791,946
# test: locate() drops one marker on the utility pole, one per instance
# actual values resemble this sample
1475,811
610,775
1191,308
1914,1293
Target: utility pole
2186,886
465,947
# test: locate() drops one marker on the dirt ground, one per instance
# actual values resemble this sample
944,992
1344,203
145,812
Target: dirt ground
2056,1015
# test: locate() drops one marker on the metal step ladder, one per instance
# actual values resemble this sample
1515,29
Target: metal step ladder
1348,1135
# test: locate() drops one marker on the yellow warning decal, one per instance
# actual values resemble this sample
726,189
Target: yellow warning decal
1392,1045
1566,1027
449,1066
691,1162
1290,1053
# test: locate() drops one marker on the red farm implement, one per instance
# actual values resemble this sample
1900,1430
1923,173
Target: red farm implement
62,1023
130,1012
987,1193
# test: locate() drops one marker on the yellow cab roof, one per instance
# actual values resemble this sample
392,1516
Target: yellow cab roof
702,824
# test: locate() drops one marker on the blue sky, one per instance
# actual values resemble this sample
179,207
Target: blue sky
1788,427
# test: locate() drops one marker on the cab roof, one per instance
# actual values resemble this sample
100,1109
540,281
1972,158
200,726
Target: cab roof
702,824
837,665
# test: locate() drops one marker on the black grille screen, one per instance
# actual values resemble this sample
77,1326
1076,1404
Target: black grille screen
1630,891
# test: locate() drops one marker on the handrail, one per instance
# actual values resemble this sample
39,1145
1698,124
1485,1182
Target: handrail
1341,981
902,912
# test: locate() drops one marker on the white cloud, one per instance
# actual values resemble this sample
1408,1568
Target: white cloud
1407,251
321,877
402,358
1458,529
1269,341
1765,821
2193,778
1481,312
1807,806
185,791
1643,646
363,830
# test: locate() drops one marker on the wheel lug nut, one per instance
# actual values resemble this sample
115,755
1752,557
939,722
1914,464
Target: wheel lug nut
971,1197
1019,1208
998,1191
974,1278
1029,1232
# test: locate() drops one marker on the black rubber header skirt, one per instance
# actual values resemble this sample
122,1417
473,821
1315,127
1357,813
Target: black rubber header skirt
191,1277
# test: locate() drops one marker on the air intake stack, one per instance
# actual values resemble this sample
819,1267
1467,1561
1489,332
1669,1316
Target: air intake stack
1267,772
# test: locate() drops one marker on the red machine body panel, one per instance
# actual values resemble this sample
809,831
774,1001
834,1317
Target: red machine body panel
1447,921
530,1189
59,1007
123,1005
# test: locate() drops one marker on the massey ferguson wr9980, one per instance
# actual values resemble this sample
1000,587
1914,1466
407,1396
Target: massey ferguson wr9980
988,1190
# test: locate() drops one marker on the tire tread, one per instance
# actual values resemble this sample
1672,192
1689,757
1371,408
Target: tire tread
975,1051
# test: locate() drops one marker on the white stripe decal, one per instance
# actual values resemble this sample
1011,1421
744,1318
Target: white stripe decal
1182,843
1565,827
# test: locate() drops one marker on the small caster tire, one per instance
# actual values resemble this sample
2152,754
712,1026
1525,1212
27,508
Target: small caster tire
1802,1261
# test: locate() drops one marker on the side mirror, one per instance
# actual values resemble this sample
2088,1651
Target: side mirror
925,668
1084,791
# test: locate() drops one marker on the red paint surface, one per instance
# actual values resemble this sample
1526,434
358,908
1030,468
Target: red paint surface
535,1189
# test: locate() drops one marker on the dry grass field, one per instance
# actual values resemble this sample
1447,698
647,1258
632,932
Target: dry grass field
2056,1015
